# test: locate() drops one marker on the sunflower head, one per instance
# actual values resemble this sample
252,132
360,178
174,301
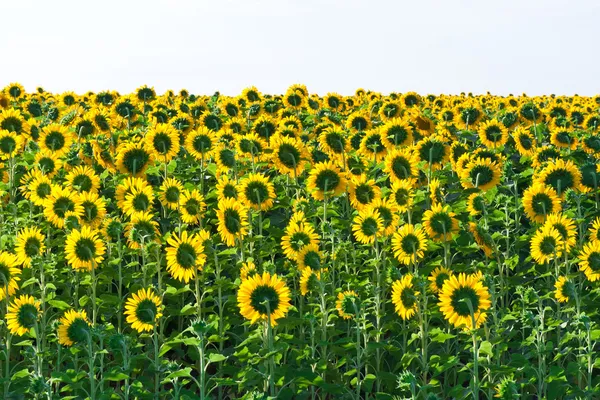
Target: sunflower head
437,278
143,310
74,328
348,304
439,223
263,298
367,225
564,289
464,300
23,314
409,244
405,297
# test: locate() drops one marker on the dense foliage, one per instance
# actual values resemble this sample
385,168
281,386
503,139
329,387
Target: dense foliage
297,246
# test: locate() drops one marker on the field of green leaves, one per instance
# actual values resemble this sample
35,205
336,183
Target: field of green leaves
298,246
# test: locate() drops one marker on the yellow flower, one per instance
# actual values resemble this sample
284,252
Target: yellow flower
22,315
143,310
263,297
404,297
464,301
185,256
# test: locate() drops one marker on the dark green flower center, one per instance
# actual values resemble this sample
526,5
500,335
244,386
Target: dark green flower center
162,143
401,196
186,256
397,134
441,223
202,143
312,259
55,140
140,202
230,191
78,331
560,180
233,221
32,247
12,124
374,144
264,299
364,193
469,115
369,226
336,141
525,141
410,244
359,123
481,175
589,176
594,261
143,231
493,133
8,144
327,180
5,275
257,192
227,158
146,311
298,240
408,297
135,160
548,246
82,183
62,205
213,122
350,304
463,300
386,215
85,249
192,206
43,190
250,146
288,155
541,204
433,152
265,129
27,315
401,167
440,279
90,211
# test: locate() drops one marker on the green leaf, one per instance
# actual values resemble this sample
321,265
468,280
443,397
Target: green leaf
61,305
486,348
21,374
216,357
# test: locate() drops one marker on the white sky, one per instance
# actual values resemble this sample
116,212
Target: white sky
532,46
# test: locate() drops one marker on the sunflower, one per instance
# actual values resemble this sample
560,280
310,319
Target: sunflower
564,138
294,100
133,158
10,274
374,145
409,244
481,173
389,109
39,189
141,230
171,191
404,297
433,152
467,116
547,244
401,164
192,206
248,269
129,185
347,304
15,90
29,243
367,225
183,123
482,238
594,230
358,121
48,163
185,256
233,221
225,158
457,150
464,300
439,223
402,195
100,118
297,236
591,144
23,314
226,189
74,327
60,204
251,146
493,134
143,310
263,297
13,121
362,191
325,179
84,249
139,199
55,139
565,226
564,289
545,154
539,201
200,143
589,260
525,142
561,175
11,144
388,210
288,154
437,278
257,192
229,107
83,179
332,101
333,140
163,142
476,204
309,280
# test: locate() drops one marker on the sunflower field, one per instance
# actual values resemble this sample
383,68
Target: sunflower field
298,246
